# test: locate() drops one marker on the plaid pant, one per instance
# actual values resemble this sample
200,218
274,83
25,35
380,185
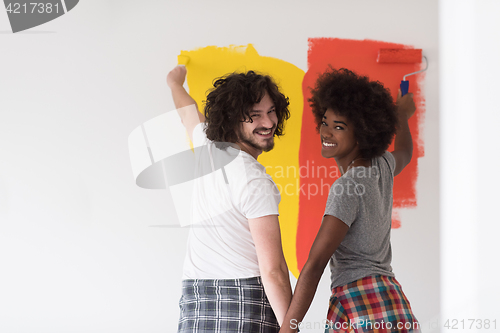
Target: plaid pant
213,306
370,304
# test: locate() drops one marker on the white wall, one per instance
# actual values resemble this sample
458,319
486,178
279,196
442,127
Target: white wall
82,249
470,49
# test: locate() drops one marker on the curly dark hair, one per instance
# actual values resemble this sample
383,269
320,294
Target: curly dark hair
366,104
230,100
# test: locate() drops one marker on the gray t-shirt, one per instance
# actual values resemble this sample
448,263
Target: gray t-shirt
362,199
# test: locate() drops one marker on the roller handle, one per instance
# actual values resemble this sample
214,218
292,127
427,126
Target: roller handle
404,87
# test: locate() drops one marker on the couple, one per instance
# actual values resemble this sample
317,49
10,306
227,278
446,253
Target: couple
235,276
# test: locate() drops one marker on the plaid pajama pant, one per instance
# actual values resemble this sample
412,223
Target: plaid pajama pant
213,306
370,304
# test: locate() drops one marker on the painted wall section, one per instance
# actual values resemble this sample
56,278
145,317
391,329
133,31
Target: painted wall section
208,63
359,56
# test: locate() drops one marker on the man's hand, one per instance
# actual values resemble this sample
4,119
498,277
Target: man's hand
176,77
406,105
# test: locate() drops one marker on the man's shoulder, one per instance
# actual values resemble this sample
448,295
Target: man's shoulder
254,169
245,174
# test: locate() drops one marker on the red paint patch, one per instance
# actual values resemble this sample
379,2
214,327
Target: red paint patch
396,220
360,57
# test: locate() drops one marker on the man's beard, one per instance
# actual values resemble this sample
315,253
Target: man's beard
250,140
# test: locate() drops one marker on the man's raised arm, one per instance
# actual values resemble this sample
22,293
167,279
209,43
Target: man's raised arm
185,104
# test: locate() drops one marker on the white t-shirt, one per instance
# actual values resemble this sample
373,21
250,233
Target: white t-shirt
231,188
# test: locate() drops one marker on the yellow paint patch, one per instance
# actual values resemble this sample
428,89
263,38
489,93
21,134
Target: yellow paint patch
282,163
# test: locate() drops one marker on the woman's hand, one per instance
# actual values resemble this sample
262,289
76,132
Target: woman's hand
406,105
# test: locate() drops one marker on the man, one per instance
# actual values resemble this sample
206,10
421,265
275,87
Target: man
234,250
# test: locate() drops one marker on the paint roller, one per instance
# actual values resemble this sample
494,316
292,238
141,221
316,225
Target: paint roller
182,60
402,56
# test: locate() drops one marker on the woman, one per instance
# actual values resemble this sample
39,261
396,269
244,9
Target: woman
357,120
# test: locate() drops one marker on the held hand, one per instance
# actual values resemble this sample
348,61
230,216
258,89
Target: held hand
406,105
176,76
